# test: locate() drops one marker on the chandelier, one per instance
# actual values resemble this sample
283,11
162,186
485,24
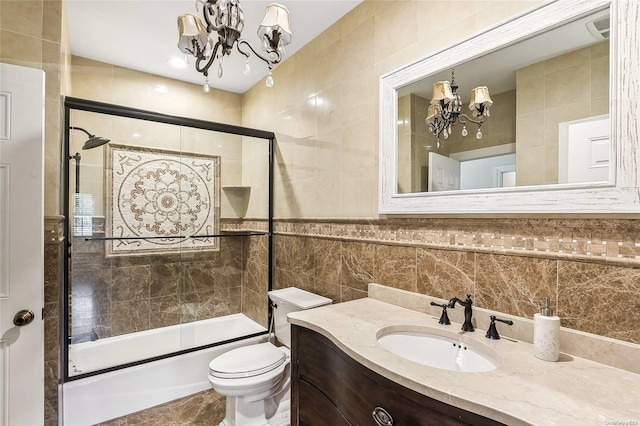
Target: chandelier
446,105
224,19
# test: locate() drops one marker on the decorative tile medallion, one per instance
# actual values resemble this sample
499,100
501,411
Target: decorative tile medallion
159,201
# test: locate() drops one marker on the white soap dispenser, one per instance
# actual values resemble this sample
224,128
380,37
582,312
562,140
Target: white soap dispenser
546,334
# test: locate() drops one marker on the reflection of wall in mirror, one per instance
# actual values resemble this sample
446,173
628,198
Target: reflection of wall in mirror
415,142
568,87
405,135
499,129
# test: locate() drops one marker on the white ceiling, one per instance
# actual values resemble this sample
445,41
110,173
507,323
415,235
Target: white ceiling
142,35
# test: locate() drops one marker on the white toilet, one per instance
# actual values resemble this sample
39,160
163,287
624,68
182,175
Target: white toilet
256,379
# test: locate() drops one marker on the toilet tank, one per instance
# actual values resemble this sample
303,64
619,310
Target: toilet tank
292,299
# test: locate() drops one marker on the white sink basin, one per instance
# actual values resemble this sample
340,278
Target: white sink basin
437,351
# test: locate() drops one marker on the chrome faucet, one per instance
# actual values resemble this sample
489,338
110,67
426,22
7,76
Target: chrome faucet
468,312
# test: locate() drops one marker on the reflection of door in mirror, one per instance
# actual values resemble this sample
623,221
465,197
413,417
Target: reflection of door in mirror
487,172
444,173
584,150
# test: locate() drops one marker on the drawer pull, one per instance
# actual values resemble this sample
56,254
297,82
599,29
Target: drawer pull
382,417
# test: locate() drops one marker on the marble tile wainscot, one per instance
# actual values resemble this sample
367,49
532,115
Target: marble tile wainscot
53,252
507,265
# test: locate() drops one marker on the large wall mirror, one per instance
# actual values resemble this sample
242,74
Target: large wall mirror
536,115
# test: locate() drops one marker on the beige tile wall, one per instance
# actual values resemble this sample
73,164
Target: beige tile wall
420,142
108,83
147,134
31,36
499,129
414,143
111,84
565,88
325,98
405,147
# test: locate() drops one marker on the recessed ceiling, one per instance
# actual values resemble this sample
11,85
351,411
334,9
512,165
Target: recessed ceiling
142,35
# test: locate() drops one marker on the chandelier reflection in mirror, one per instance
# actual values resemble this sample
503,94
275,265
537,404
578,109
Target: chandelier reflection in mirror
446,105
224,19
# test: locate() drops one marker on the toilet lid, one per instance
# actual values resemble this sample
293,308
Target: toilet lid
247,361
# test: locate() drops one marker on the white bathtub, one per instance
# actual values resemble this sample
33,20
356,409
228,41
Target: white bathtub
109,395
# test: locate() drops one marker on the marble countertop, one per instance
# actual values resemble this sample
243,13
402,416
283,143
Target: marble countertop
522,390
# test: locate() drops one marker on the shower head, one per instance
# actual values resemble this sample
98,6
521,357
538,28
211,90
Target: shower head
93,141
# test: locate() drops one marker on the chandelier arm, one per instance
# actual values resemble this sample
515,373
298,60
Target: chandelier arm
447,112
195,51
205,70
478,122
246,55
438,127
267,60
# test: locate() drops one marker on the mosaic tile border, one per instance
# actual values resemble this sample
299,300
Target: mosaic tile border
53,229
256,225
615,242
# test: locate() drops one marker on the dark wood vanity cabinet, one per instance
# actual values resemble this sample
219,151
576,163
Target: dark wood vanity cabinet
329,388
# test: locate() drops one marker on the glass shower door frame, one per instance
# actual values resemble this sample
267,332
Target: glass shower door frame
71,104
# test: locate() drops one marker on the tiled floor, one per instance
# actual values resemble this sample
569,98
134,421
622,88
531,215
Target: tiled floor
204,408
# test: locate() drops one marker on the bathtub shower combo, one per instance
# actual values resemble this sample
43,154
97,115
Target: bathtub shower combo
169,228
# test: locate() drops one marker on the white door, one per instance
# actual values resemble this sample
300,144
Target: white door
584,150
444,173
21,246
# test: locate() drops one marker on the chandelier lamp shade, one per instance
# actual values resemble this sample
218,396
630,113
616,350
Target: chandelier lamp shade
446,105
221,30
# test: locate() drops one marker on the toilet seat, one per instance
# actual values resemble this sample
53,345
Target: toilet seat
247,361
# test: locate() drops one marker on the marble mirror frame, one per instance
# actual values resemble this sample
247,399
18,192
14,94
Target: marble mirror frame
619,196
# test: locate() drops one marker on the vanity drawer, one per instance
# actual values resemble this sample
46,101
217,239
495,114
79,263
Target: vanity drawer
357,391
318,410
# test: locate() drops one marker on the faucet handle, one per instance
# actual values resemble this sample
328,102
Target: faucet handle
444,318
492,332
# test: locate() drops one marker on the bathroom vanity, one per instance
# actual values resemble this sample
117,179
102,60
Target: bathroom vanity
341,375
329,388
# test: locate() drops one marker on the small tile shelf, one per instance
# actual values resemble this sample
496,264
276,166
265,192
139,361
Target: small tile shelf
238,196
